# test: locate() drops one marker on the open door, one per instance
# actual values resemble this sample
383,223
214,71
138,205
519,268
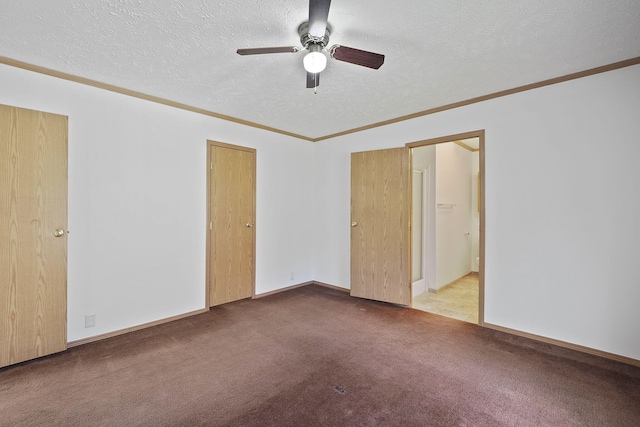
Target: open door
380,207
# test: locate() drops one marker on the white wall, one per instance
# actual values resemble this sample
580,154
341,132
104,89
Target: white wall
453,213
137,202
562,206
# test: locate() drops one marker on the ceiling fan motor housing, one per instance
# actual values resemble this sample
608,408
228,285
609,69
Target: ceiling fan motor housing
307,39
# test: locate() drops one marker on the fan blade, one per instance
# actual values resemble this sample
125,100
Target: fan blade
262,50
357,56
313,80
318,16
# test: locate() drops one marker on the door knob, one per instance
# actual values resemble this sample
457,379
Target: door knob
249,225
354,224
58,232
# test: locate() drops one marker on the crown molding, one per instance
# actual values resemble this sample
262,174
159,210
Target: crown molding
140,95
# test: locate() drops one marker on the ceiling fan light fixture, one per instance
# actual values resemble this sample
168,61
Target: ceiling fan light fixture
315,61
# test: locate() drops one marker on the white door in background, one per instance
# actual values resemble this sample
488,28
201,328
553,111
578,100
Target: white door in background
419,230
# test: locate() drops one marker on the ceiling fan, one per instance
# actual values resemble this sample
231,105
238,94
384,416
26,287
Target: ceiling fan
314,37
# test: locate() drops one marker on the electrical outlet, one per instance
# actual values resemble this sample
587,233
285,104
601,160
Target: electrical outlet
89,320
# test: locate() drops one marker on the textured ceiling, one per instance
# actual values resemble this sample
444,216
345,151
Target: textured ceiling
437,52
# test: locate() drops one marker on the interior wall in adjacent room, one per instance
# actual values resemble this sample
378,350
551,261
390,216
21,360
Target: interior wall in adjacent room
453,213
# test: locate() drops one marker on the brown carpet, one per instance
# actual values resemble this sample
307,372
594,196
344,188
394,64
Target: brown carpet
314,356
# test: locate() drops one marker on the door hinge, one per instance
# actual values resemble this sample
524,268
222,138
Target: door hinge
211,166
210,226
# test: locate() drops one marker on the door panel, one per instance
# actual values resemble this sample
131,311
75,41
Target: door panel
33,261
232,219
380,225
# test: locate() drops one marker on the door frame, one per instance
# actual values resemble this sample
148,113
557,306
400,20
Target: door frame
481,199
208,225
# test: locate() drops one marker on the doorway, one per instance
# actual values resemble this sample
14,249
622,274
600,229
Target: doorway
231,229
448,226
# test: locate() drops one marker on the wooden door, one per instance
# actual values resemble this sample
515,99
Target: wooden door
232,223
380,225
33,240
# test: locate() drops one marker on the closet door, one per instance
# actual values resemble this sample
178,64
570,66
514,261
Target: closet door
33,234
232,190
